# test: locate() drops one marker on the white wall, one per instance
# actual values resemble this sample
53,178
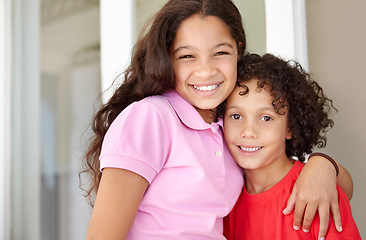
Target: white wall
5,122
117,33
336,42
286,30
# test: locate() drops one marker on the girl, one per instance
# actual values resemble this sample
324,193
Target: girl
276,112
167,173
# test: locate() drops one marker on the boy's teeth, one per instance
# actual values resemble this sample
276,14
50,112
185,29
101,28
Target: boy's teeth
206,88
245,149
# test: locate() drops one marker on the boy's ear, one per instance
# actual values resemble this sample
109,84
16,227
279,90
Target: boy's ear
289,134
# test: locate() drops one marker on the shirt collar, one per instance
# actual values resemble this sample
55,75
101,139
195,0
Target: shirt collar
188,114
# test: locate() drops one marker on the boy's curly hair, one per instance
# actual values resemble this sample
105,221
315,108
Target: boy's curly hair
291,86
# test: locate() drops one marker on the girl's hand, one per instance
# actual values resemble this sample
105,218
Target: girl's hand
315,189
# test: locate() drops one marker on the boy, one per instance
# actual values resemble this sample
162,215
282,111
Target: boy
276,112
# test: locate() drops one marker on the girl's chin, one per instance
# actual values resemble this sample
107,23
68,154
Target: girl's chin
208,104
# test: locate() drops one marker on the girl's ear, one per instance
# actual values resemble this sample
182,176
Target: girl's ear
240,45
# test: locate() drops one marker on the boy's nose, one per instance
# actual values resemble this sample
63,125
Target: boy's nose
248,131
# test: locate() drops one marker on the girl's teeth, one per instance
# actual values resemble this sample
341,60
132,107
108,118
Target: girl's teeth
249,149
206,88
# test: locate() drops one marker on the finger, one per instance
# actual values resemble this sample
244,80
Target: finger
336,216
298,214
309,214
324,221
290,202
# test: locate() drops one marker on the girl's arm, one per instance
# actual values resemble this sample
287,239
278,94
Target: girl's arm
344,180
119,196
315,190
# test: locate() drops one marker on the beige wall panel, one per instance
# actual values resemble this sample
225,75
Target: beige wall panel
254,21
336,38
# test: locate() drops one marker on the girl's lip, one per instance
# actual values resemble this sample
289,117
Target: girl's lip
207,90
213,84
206,87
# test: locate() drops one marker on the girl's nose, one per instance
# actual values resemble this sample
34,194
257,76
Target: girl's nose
205,69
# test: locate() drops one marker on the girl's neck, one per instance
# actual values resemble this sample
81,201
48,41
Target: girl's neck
208,115
260,180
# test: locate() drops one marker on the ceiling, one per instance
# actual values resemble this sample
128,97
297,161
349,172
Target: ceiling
68,27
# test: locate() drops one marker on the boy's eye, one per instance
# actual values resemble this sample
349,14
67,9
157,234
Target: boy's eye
266,118
235,116
185,56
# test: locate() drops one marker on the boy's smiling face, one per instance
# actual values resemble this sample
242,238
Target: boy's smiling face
255,133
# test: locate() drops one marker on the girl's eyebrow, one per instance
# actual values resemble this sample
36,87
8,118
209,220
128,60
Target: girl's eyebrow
224,44
182,48
188,47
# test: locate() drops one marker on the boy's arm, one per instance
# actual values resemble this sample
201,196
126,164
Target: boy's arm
315,190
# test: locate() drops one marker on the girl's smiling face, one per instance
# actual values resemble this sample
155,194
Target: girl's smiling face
254,131
204,57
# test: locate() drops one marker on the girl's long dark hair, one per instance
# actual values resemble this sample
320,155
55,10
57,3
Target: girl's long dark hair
150,71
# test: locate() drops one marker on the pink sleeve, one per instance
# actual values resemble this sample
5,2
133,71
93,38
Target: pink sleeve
136,141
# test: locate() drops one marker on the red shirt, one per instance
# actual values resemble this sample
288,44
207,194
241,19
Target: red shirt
259,216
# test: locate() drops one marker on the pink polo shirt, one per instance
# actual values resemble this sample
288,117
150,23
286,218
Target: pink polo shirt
194,181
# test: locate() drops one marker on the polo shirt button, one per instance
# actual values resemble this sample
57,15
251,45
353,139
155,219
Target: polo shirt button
218,153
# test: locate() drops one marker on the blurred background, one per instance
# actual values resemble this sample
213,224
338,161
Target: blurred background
57,56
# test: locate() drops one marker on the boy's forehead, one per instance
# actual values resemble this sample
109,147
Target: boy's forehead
240,90
245,88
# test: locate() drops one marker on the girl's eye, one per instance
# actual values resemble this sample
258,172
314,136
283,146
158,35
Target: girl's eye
266,118
221,53
235,116
185,56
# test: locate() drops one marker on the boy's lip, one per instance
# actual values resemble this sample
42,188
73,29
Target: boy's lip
250,149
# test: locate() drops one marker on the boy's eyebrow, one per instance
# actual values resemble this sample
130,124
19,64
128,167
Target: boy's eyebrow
236,108
262,108
188,47
269,109
231,107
